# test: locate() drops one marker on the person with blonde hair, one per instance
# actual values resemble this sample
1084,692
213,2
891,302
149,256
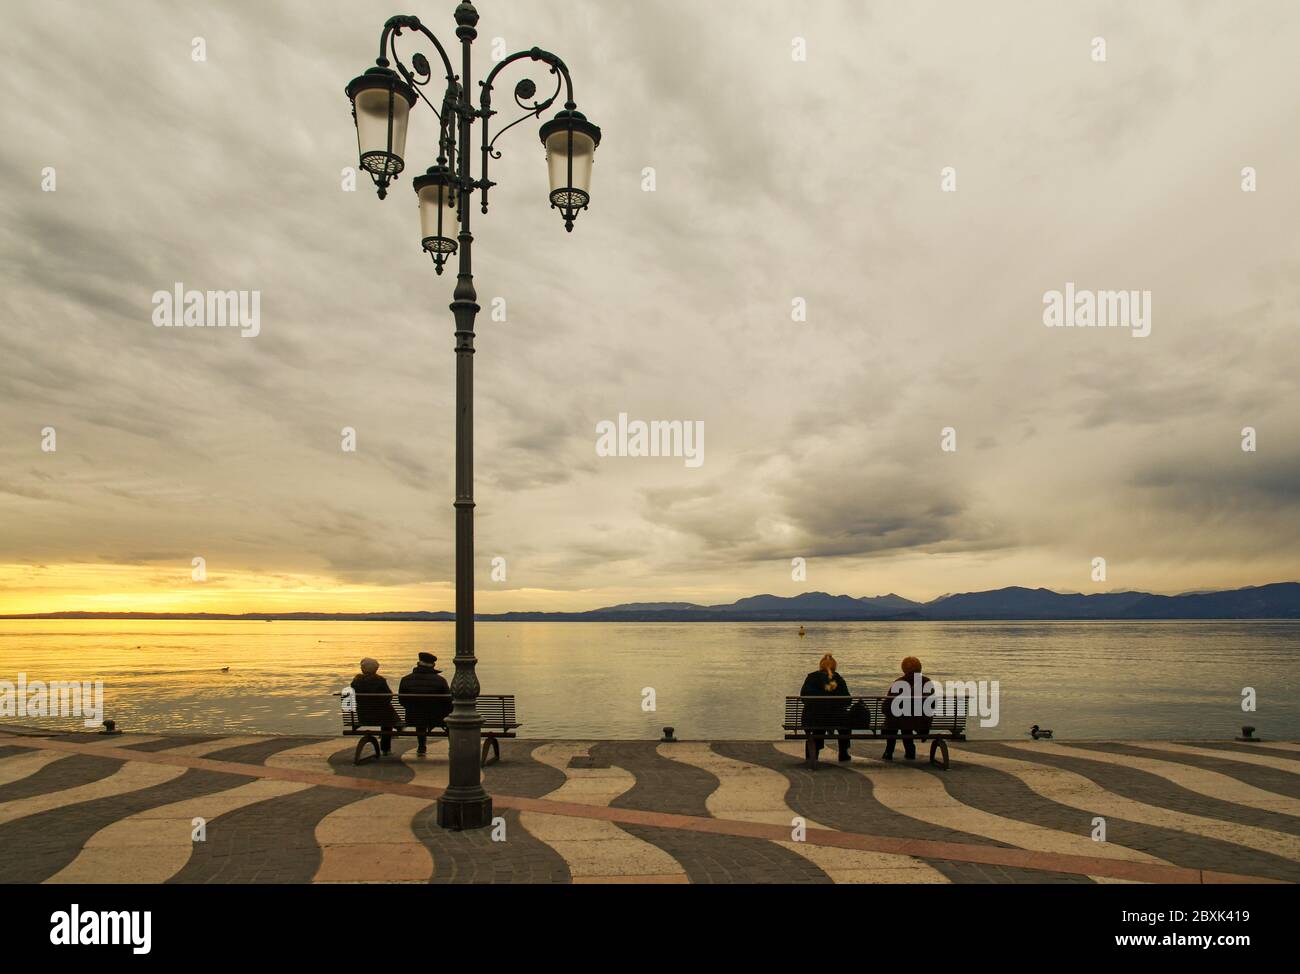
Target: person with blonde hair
823,714
905,708
376,711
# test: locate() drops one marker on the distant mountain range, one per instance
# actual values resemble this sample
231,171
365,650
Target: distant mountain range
1277,601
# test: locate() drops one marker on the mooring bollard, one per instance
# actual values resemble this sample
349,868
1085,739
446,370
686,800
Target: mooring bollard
110,727
668,737
1247,733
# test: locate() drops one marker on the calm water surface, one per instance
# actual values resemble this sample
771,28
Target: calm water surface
711,680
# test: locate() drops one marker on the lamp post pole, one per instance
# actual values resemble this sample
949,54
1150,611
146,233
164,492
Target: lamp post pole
464,804
382,99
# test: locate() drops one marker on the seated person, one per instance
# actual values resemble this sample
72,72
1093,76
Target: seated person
375,711
825,681
421,711
904,708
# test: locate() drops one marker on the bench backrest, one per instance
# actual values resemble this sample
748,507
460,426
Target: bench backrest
868,713
497,710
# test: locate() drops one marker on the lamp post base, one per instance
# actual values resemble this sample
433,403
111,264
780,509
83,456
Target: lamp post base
473,811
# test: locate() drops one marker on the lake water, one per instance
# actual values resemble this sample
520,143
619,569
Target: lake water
715,681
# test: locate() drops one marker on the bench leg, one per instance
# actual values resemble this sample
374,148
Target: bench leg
942,746
490,741
372,740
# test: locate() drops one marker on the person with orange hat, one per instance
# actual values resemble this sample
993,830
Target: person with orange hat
905,709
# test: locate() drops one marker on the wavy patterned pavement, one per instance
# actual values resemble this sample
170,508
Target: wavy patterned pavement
1201,780
24,764
212,745
37,843
272,840
473,857
1258,851
320,833
1263,760
921,795
753,793
119,740
27,773
670,786
1289,747
17,764
128,777
374,840
1006,795
313,756
1264,778
596,851
152,845
844,800
1279,745
1164,789
82,808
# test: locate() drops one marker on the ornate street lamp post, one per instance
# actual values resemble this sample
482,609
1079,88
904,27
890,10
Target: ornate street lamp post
382,99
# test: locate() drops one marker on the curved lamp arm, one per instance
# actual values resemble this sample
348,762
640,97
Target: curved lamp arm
394,26
524,90
421,76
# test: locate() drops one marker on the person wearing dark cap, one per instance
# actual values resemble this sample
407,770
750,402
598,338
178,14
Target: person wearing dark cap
422,710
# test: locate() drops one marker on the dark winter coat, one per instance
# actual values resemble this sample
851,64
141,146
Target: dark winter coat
915,721
374,711
423,712
831,712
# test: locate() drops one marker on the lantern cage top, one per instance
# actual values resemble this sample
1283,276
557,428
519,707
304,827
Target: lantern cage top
566,119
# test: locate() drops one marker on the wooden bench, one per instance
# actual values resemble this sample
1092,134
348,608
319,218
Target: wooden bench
497,711
832,723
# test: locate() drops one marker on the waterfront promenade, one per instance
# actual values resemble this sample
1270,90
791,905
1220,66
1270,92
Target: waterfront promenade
85,808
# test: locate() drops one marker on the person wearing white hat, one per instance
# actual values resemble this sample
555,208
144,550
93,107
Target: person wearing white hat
375,711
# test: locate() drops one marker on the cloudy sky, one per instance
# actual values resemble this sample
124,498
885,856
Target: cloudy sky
775,179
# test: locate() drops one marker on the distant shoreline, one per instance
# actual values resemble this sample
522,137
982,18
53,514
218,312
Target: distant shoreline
594,618
1277,601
